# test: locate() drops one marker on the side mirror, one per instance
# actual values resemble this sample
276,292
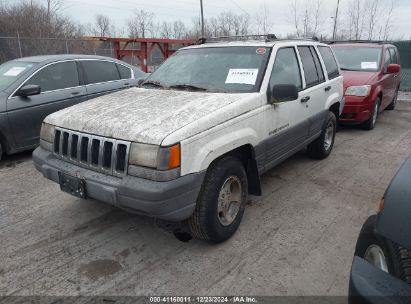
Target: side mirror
393,68
29,90
283,93
140,81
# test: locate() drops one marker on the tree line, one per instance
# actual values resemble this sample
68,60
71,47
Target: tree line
357,19
35,19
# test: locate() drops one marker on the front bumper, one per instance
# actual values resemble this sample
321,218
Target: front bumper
173,200
356,109
369,285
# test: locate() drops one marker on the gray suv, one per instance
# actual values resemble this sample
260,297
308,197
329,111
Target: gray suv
33,87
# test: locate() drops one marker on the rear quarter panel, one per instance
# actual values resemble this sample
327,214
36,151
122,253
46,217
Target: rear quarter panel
336,93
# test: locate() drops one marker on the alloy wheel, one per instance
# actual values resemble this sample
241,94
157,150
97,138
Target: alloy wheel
229,200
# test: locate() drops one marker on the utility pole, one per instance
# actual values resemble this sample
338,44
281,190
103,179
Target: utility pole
202,19
335,20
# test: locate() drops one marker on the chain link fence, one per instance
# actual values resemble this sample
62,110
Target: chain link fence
12,47
404,48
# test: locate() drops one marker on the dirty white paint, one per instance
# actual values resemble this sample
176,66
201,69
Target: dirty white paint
143,115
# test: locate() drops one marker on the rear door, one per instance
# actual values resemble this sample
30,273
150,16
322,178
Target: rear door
60,88
101,77
315,91
334,87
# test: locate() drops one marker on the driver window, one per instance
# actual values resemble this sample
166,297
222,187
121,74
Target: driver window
56,76
286,69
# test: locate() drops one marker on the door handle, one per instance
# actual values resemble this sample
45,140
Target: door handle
75,93
328,88
127,84
305,99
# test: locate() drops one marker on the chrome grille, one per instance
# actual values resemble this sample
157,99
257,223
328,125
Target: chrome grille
106,155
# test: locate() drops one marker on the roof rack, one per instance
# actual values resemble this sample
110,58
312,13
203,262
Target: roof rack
355,41
314,38
267,38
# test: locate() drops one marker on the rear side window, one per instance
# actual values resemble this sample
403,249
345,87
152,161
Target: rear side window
125,72
311,64
99,71
329,61
286,69
57,76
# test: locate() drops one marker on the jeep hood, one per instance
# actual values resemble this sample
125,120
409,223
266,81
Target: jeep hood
150,115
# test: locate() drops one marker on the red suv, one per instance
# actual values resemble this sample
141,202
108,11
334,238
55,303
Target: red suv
371,80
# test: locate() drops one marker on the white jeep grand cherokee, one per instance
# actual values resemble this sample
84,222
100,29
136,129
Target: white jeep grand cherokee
190,144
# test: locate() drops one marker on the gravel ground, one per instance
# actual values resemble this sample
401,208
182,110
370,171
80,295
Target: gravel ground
297,239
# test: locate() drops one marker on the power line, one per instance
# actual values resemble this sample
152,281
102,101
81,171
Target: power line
239,7
128,10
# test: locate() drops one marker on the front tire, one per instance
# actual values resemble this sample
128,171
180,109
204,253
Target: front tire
393,104
221,202
371,247
321,148
383,254
370,123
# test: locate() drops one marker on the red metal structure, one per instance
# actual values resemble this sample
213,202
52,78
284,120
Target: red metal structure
120,47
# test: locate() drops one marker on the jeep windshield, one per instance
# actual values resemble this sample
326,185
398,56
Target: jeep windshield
362,59
212,69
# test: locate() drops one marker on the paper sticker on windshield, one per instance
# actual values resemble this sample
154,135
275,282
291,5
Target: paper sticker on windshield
261,51
369,65
15,71
242,76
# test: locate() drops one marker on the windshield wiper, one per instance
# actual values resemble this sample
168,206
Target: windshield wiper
153,83
187,87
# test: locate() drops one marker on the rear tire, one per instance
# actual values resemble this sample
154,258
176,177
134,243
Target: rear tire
321,148
221,202
393,104
370,123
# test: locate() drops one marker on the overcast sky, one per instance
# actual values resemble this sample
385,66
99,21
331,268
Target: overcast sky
169,10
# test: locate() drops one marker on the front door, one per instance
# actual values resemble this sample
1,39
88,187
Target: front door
59,83
287,122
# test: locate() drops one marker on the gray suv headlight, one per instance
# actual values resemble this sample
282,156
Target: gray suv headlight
143,155
47,136
154,162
